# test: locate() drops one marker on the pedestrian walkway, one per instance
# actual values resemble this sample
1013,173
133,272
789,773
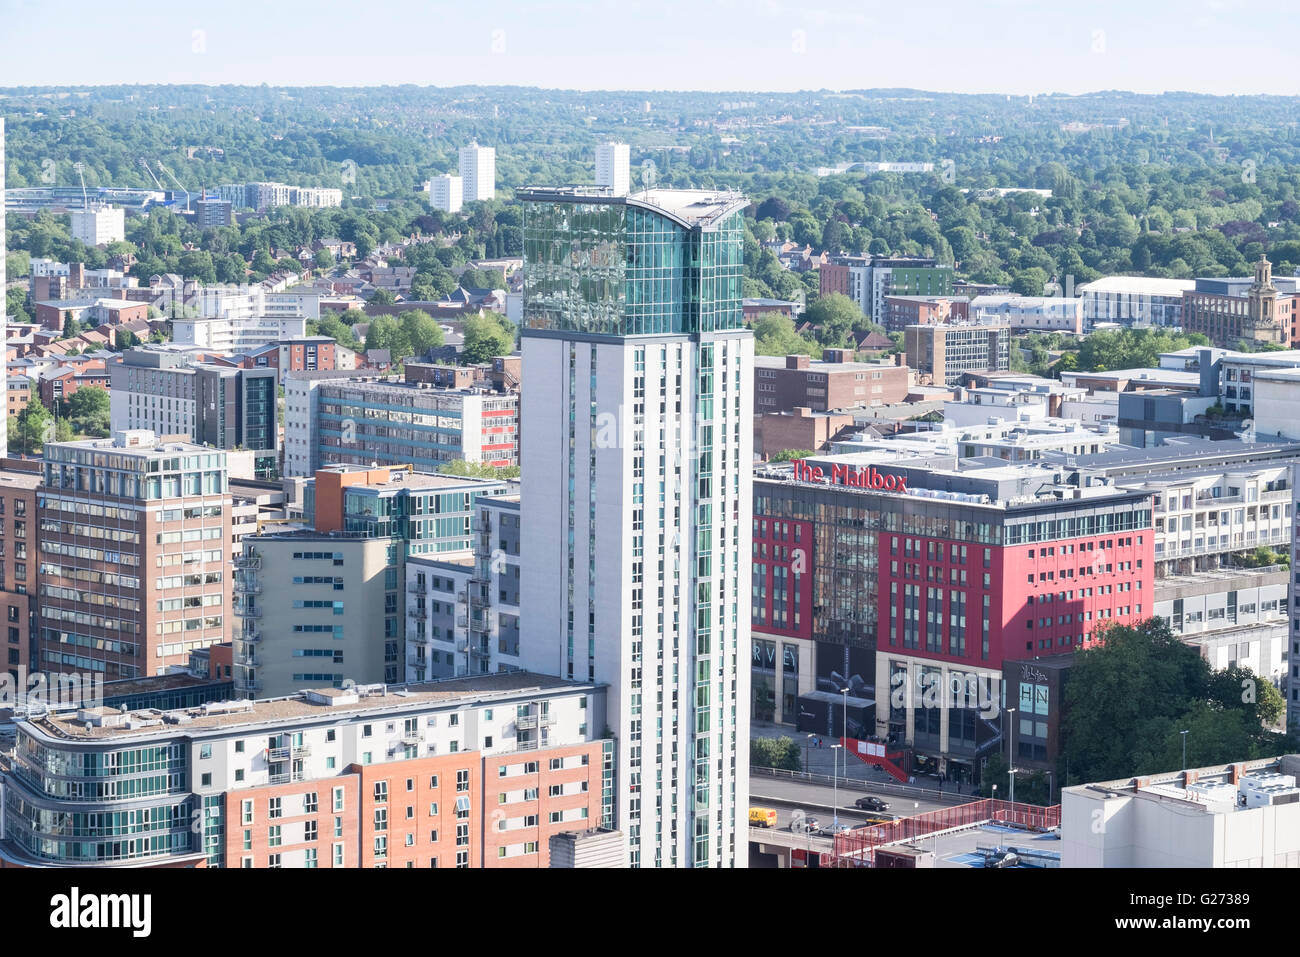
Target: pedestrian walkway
823,760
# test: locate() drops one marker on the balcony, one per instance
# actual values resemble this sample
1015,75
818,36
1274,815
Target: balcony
285,778
462,621
416,590
252,636
421,614
284,754
412,738
247,586
243,610
247,561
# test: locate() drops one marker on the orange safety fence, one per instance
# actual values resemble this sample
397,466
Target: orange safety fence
857,847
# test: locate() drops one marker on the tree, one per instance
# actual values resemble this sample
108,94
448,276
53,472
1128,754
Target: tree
63,431
88,410
835,316
382,297
775,335
486,336
31,428
1154,686
789,455
324,259
478,470
1029,282
422,331
334,327
71,327
126,339
781,753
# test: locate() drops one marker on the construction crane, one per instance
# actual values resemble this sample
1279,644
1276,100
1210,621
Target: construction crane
145,164
177,182
80,168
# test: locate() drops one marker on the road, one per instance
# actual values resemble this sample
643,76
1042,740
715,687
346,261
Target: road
817,799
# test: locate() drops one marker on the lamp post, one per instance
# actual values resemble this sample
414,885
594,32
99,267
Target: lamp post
1011,753
1184,734
845,737
1049,788
835,790
807,768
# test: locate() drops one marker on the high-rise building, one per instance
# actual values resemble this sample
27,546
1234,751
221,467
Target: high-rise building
478,172
446,193
636,486
612,167
99,225
135,554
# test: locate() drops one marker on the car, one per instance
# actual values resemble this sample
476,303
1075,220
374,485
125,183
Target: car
870,804
830,830
806,823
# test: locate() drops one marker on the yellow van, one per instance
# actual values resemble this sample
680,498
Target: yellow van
762,817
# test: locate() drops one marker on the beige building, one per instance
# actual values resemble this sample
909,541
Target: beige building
312,607
135,554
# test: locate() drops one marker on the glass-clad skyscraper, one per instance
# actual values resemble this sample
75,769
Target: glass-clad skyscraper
636,454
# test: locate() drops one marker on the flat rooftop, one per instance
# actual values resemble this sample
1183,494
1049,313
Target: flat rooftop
325,703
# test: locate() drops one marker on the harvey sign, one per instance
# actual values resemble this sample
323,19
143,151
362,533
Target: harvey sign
850,476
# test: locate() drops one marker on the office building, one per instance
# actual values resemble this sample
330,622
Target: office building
937,575
478,172
447,193
135,554
942,354
234,319
99,224
904,311
783,384
1258,314
216,406
612,167
1244,814
1134,301
360,422
636,489
1030,313
477,772
302,418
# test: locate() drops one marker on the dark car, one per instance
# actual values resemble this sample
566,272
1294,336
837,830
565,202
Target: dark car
870,804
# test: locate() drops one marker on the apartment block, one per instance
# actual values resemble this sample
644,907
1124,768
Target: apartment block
99,224
219,406
135,554
19,564
478,772
447,193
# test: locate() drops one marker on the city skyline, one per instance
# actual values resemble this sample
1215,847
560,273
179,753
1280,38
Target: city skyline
783,47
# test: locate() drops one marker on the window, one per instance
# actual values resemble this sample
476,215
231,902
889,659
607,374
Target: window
462,859
381,846
462,780
433,837
462,835
275,808
555,790
410,784
433,781
246,812
205,752
338,799
338,827
366,730
381,819
309,831
273,836
206,780
338,855
248,840
310,860
530,767
557,764
556,817
309,803
381,792
433,809
273,861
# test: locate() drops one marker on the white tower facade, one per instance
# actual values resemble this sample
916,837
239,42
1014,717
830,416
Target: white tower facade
447,193
637,489
478,169
612,167
4,305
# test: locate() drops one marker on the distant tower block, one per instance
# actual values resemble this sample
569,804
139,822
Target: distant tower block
612,167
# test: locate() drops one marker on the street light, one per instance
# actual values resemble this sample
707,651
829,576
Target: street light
1011,754
835,791
1184,734
845,737
807,767
1049,788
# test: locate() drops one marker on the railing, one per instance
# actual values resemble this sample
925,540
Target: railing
246,587
243,611
252,636
857,847
247,561
285,753
419,613
857,784
462,621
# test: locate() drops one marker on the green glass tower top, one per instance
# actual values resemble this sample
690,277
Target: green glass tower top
658,261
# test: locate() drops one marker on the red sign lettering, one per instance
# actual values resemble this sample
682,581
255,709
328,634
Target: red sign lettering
851,477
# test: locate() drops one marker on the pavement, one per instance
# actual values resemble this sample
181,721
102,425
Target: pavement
832,762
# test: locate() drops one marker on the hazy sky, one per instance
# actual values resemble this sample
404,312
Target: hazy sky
1011,46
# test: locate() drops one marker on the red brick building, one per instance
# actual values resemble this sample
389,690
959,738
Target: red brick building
783,384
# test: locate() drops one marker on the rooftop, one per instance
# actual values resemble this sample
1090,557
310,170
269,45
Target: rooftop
1139,284
690,207
325,704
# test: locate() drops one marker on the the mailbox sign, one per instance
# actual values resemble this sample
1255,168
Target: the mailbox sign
847,475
